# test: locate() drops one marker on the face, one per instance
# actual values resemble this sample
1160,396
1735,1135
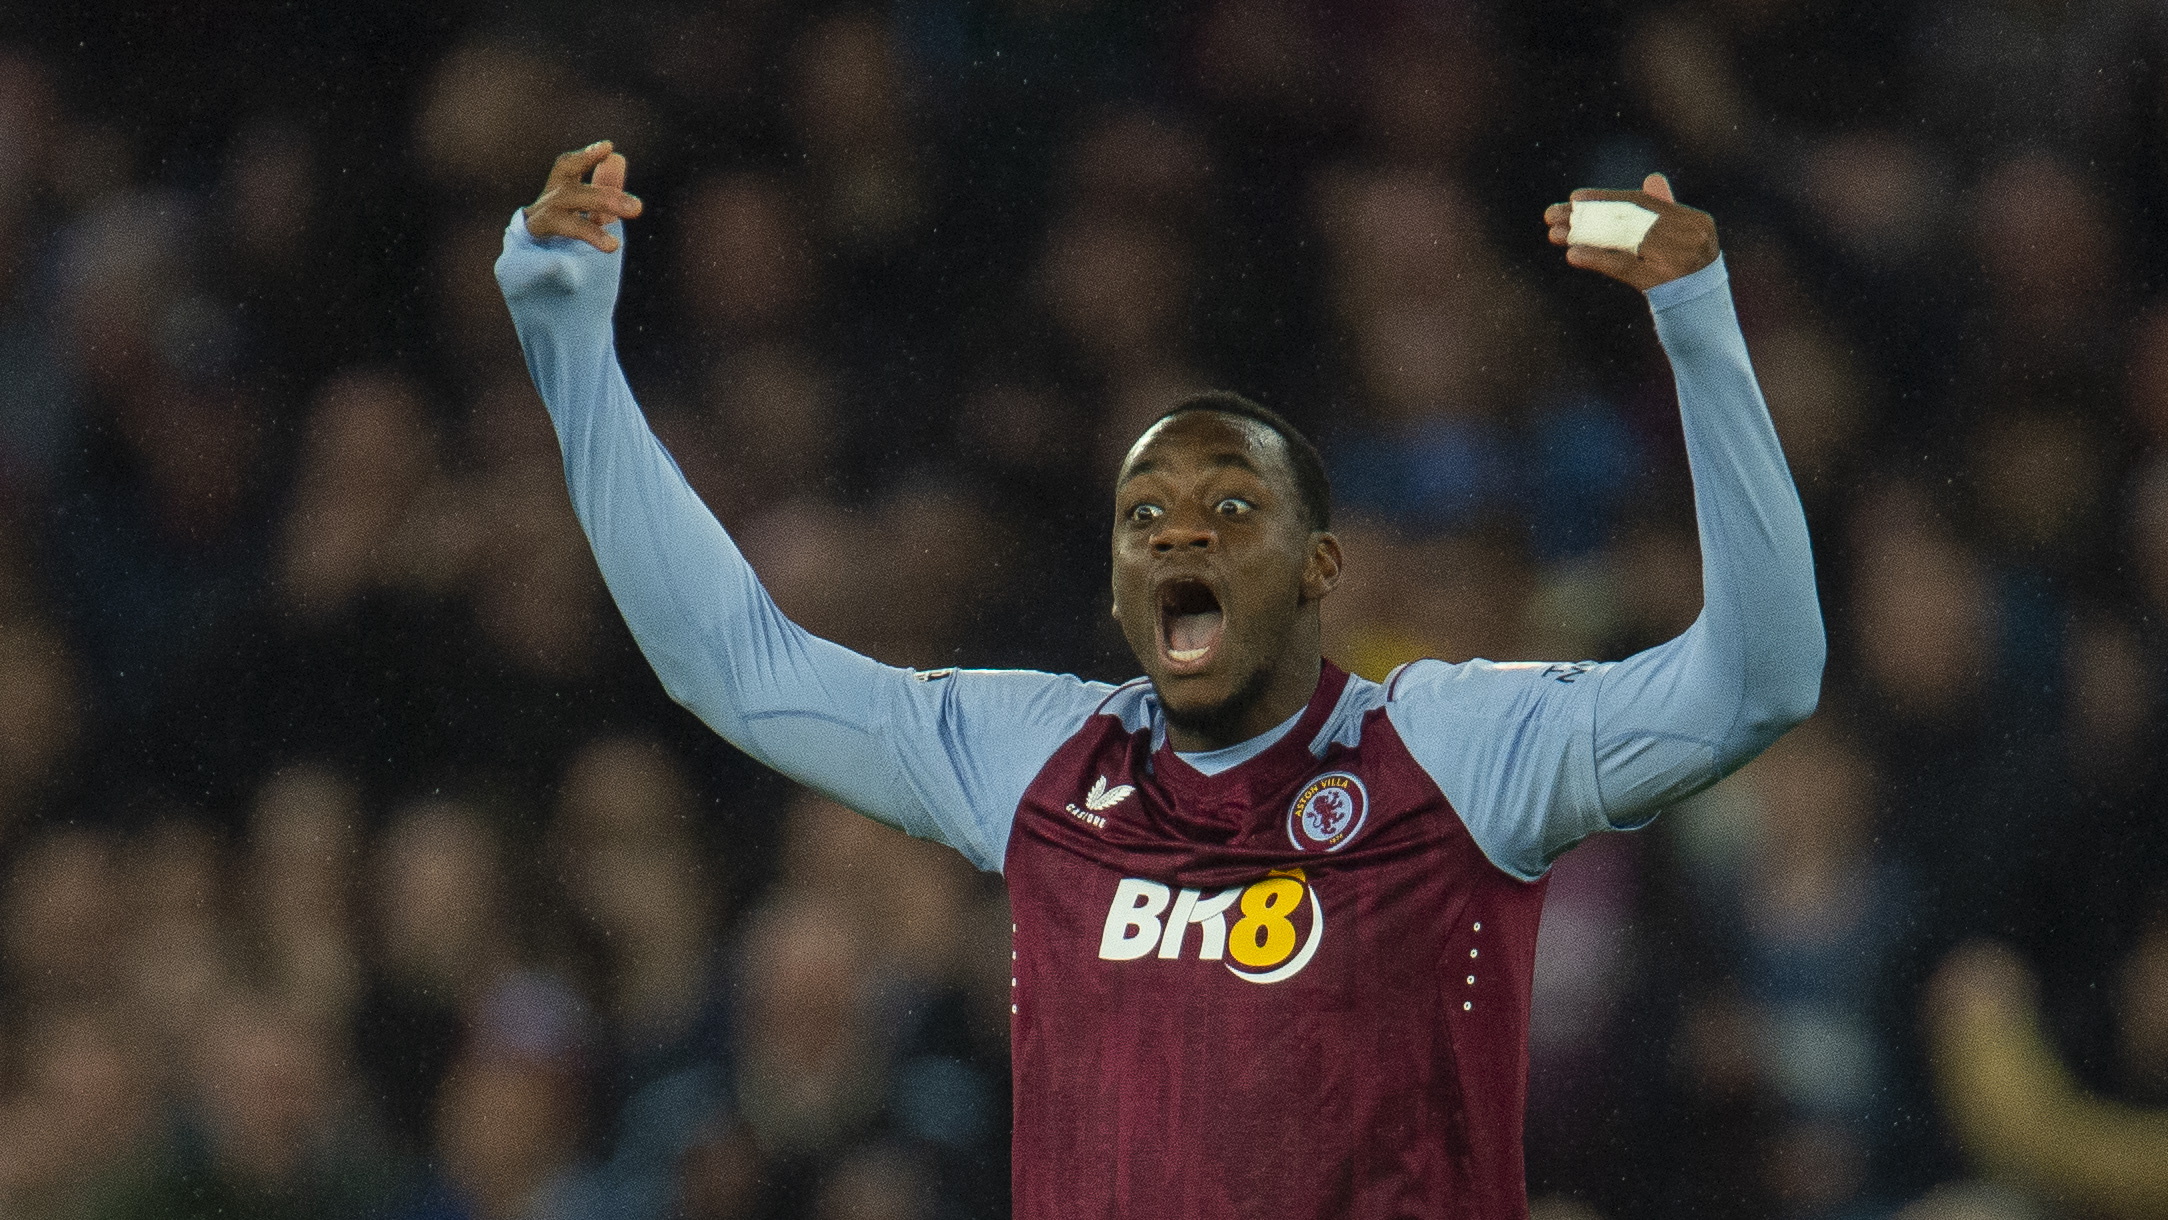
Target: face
1217,573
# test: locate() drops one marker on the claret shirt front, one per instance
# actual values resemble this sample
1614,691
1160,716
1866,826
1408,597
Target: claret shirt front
1296,981
1288,978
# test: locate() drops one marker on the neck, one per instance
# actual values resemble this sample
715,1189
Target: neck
1272,697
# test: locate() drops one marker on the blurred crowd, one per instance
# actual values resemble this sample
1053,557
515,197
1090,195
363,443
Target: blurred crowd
353,864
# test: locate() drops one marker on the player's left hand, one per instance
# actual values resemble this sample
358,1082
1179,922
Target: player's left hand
1681,242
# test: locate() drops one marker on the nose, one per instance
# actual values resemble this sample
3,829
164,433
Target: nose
1176,535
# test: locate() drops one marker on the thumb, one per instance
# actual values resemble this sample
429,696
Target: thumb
610,174
1654,184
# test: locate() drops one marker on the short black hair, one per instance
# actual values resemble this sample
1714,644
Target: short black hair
1302,456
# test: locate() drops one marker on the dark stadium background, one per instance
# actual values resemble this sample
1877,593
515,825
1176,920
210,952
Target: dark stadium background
352,863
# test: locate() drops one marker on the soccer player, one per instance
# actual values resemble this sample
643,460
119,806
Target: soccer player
1274,924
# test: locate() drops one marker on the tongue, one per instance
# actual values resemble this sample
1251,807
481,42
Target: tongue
1192,633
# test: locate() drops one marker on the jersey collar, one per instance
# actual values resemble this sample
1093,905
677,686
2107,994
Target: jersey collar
1285,762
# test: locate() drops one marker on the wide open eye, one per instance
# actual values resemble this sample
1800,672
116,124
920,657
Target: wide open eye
1145,514
1233,506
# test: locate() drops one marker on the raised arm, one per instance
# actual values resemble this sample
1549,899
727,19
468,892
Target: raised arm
942,757
1678,717
1537,757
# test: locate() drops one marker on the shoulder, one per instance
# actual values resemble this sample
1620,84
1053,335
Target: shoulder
1510,745
968,743
1431,681
1018,700
1429,696
1134,703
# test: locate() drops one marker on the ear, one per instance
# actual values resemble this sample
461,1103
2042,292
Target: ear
1322,573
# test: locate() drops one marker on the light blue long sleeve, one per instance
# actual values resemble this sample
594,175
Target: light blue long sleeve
1538,756
944,756
1534,756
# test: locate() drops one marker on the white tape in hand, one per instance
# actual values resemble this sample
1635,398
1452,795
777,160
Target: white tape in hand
1613,224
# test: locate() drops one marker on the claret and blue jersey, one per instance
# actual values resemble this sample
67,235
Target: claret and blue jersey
1288,976
1296,979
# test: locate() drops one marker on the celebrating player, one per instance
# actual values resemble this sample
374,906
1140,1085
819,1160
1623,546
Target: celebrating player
1274,924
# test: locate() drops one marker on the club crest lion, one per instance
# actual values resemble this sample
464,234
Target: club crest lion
1328,812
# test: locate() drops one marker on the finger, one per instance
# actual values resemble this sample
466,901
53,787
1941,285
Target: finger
1593,193
580,198
600,238
1617,264
1558,214
1561,234
1654,184
582,229
575,225
572,167
610,172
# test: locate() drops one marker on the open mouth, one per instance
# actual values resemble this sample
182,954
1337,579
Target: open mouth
1189,621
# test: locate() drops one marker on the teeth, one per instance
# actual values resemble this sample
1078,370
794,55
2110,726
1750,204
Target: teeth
1187,654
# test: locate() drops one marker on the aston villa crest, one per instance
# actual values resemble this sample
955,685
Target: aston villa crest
1328,812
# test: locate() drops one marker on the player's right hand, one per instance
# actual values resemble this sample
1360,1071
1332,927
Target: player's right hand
572,205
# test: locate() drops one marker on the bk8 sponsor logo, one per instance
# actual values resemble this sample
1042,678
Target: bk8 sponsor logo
1266,940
